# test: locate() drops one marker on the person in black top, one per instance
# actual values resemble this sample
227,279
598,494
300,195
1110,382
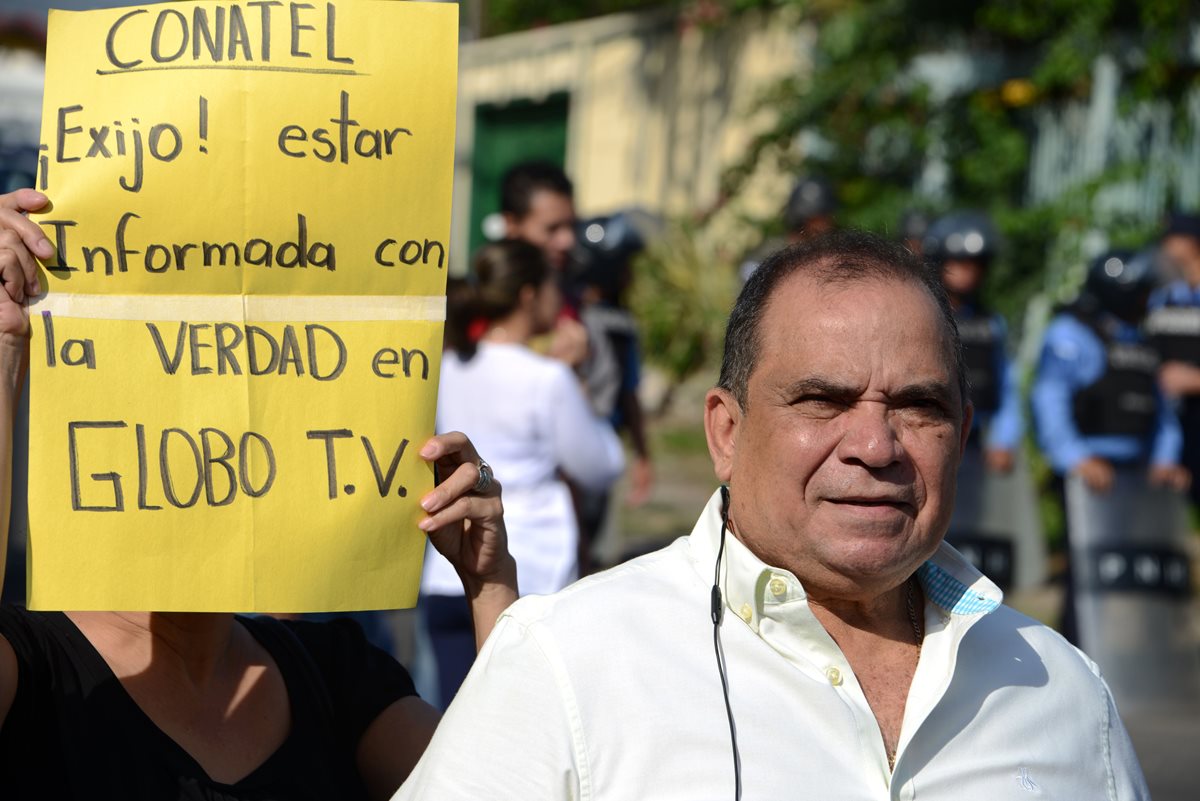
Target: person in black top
163,706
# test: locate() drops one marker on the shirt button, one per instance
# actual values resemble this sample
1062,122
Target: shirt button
834,675
778,587
746,612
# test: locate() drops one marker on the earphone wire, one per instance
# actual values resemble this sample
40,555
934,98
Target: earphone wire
718,614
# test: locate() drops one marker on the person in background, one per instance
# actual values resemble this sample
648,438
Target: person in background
537,201
529,414
1174,328
603,266
538,204
1096,400
810,211
962,246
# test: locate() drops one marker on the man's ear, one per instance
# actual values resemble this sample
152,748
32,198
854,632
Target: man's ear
722,415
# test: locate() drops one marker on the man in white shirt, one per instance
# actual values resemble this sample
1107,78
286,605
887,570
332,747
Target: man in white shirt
864,659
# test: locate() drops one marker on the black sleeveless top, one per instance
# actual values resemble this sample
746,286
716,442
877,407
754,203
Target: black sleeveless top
73,732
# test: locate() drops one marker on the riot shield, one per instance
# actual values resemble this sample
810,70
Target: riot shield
1132,581
996,525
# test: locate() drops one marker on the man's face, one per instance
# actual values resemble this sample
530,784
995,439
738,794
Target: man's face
1183,253
842,467
962,277
549,225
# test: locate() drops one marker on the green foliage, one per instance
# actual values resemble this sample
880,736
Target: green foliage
879,123
681,297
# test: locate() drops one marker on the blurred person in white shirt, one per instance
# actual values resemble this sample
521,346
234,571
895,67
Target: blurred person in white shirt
528,413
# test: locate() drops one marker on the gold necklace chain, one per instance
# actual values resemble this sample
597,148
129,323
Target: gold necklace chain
918,629
919,633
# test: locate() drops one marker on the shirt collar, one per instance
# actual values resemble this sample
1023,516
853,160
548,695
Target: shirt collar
754,590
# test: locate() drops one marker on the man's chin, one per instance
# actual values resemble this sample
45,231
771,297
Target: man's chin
875,564
870,527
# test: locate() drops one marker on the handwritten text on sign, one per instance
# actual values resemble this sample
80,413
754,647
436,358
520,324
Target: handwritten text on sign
240,342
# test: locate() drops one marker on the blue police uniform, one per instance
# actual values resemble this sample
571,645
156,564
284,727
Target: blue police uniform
1096,394
1093,397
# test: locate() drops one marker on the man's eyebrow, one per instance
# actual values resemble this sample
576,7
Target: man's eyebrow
940,391
819,385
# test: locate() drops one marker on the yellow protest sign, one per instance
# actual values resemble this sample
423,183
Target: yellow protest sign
236,360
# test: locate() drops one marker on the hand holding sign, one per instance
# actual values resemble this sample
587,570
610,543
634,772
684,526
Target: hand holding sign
467,528
20,241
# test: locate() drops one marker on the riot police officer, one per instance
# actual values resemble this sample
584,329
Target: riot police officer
810,208
1174,328
963,245
995,523
810,211
1096,402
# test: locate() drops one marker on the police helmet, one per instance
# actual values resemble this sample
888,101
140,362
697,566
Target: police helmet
961,235
615,235
811,197
604,246
1120,281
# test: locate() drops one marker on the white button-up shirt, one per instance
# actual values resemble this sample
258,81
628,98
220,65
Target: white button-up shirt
609,690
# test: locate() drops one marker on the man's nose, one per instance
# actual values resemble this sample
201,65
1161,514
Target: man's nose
870,437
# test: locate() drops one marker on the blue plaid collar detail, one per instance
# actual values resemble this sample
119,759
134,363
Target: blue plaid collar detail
956,586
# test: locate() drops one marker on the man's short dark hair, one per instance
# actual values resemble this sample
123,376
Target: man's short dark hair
839,257
523,180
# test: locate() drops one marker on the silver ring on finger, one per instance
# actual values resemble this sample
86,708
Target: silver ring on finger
485,477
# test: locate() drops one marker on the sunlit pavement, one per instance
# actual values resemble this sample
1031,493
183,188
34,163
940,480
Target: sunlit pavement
1168,746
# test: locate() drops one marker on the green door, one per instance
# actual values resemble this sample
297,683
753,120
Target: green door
507,135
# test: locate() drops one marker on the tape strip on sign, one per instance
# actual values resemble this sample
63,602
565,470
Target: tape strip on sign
251,308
